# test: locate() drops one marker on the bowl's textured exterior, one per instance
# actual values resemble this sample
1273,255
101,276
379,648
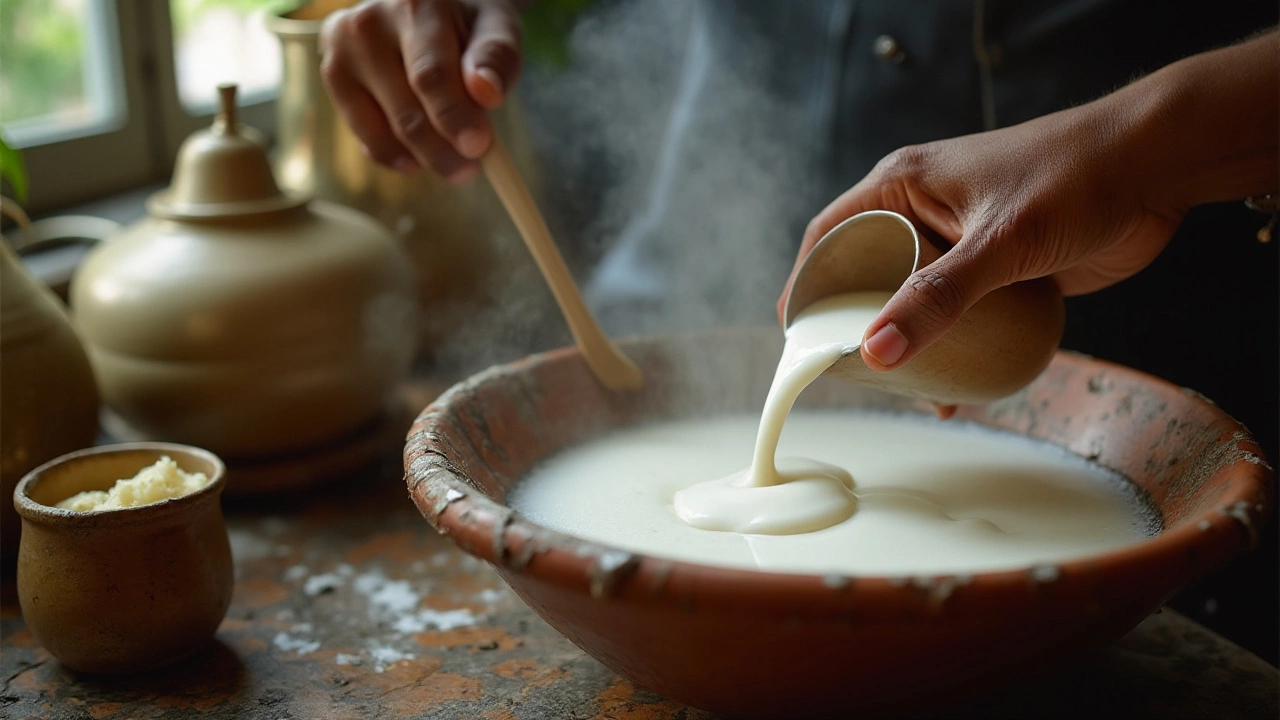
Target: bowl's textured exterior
747,643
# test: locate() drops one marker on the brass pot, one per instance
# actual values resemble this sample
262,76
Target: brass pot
244,319
127,590
49,400
456,236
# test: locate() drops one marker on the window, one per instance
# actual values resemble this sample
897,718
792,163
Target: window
61,66
99,94
217,41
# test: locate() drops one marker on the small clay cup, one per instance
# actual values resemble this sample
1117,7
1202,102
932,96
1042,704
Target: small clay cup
996,348
129,590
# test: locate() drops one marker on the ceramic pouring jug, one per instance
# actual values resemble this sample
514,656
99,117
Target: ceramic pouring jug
48,397
996,348
243,319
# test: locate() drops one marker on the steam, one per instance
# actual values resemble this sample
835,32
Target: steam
675,181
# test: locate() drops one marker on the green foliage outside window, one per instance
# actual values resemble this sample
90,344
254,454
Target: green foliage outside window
185,13
42,44
547,23
40,58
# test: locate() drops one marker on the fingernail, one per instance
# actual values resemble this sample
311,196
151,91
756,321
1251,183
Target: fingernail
472,143
490,77
463,174
406,165
887,346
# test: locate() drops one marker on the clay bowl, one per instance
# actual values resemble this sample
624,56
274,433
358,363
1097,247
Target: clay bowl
128,590
755,644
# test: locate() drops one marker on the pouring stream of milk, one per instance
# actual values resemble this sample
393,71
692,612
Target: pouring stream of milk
789,495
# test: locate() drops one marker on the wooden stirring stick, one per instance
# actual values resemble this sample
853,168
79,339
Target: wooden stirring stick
610,366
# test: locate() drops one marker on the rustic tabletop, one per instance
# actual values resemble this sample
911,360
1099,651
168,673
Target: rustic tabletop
348,605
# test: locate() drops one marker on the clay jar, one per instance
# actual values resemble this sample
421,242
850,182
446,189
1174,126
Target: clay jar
49,403
243,319
118,591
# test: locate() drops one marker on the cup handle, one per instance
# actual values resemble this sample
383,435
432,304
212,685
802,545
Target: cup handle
63,228
11,209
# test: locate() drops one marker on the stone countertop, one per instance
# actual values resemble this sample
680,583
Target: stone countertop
348,605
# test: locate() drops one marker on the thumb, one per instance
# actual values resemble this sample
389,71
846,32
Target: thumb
491,62
928,305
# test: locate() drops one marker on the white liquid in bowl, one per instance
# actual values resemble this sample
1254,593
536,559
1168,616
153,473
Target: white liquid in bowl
932,498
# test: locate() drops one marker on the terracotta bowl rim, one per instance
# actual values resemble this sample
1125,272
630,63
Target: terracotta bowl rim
493,532
33,511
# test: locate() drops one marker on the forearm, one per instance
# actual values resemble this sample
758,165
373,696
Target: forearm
1204,129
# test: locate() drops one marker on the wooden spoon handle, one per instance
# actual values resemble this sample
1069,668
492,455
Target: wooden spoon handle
609,365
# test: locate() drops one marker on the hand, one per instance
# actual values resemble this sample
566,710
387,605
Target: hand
1088,196
414,79
1058,196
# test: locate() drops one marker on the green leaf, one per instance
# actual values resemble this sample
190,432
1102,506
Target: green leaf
13,169
546,30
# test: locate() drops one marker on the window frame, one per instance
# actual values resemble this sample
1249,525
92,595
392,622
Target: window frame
139,148
175,122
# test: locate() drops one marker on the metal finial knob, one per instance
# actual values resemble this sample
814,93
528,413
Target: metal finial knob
227,107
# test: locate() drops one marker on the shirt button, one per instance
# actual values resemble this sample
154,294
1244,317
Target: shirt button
888,49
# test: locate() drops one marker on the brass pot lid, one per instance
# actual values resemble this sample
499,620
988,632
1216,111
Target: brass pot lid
222,172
